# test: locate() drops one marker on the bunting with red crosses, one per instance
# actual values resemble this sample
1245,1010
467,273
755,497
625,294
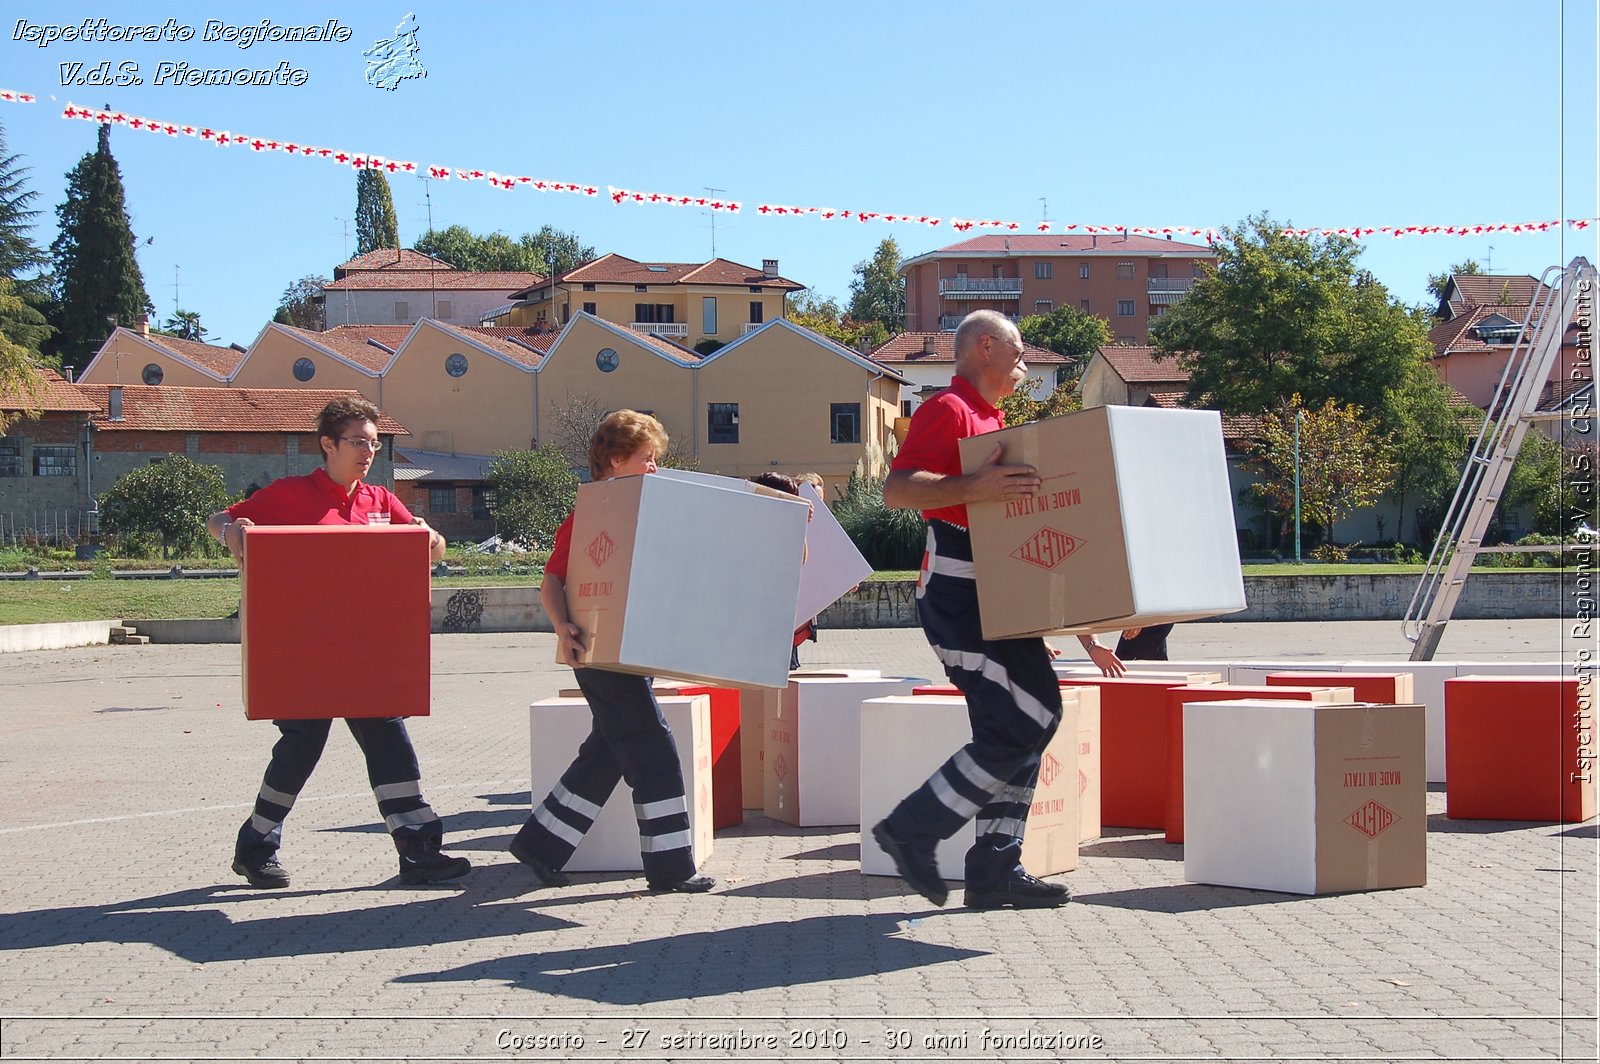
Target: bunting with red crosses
223,138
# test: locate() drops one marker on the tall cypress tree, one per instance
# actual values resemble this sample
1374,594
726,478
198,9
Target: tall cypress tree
21,321
97,272
376,224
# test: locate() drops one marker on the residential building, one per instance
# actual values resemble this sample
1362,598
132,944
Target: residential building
138,356
402,286
451,490
1480,317
686,302
927,361
348,357
1127,280
1130,376
45,486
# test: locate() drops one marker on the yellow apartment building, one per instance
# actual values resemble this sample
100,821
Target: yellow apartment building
350,357
138,356
467,392
685,302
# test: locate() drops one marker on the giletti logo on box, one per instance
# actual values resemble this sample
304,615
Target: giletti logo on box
780,767
601,549
1049,769
1371,819
1047,548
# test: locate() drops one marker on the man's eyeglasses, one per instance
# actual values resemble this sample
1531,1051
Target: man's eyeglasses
362,443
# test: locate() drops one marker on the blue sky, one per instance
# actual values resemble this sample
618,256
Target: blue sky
1359,113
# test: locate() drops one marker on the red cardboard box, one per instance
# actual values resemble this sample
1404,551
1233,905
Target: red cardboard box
373,661
1518,748
1133,749
1222,692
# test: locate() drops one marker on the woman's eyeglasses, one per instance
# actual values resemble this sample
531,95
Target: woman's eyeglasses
362,443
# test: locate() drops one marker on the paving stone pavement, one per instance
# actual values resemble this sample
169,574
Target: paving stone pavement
124,772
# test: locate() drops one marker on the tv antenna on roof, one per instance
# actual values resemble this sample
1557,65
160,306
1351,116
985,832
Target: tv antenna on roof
714,192
1044,210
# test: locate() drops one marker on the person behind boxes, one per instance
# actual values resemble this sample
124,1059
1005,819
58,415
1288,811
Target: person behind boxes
1012,695
630,739
335,494
1144,644
791,486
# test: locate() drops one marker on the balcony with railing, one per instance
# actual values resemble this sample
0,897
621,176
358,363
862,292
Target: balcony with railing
749,327
948,322
964,287
1164,291
672,330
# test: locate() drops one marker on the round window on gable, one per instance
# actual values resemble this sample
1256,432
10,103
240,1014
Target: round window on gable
304,369
606,360
152,374
456,365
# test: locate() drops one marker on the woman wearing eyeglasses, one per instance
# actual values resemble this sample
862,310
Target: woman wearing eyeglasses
337,494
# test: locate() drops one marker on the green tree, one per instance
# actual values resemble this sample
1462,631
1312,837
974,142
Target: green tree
97,272
545,252
165,503
23,322
301,303
1283,315
1437,282
376,224
878,293
823,317
1066,331
534,491
1536,483
18,378
887,538
185,325
1020,407
1429,439
1345,463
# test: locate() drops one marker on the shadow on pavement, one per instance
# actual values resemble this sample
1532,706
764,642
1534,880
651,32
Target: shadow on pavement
844,851
1441,824
195,924
1187,898
847,884
821,949
1142,846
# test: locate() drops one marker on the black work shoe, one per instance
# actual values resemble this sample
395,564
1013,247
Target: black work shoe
545,875
916,865
696,884
431,866
264,875
1021,891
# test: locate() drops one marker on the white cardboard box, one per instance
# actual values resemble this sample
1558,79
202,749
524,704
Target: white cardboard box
812,748
1303,797
1133,524
833,564
557,726
692,577
904,738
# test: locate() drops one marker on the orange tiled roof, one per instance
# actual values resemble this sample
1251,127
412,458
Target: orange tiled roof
392,259
164,408
219,360
1477,289
1135,363
442,280
619,269
541,340
350,342
1458,335
505,346
54,396
1051,244
910,349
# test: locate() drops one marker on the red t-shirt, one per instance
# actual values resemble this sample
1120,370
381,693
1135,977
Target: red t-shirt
315,499
557,565
938,425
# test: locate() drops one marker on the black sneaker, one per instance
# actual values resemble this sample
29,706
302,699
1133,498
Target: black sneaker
695,884
431,866
544,874
265,875
916,865
1021,891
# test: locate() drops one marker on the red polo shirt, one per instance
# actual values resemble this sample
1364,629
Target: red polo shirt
316,500
937,426
557,565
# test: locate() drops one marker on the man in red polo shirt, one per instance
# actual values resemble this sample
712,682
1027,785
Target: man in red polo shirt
1012,695
335,494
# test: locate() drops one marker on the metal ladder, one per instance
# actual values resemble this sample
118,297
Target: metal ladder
1488,466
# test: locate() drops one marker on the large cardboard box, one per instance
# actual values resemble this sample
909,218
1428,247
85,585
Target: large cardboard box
1179,697
904,738
756,704
1394,688
1303,797
833,564
556,728
1137,671
1519,748
375,662
692,577
812,755
1133,524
